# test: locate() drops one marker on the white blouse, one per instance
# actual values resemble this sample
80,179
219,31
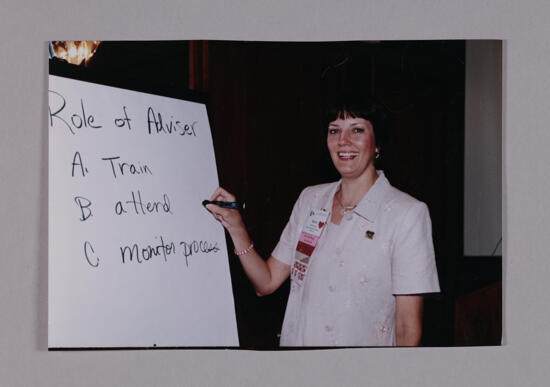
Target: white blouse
347,296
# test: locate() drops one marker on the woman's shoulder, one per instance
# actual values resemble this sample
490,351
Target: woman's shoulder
402,201
318,189
316,195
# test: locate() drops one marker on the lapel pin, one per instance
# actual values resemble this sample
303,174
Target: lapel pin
369,234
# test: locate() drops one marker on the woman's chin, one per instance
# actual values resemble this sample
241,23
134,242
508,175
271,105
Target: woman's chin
353,173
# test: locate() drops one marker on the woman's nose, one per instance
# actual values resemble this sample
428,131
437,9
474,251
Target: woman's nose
344,137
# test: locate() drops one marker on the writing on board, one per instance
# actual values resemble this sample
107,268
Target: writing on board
137,202
74,121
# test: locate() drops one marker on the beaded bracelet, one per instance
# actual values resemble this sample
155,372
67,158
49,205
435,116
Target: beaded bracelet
243,252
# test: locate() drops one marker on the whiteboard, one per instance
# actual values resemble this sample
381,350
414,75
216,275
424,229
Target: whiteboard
134,258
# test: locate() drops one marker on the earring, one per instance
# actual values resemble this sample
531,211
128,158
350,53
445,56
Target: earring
376,154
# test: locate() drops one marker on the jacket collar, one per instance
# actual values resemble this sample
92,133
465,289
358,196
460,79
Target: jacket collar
370,203
325,198
368,206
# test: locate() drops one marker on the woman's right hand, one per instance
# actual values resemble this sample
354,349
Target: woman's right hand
230,218
266,276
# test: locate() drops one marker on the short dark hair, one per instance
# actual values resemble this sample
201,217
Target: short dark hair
367,107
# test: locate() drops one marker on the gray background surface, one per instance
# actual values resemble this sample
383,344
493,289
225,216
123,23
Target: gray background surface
27,25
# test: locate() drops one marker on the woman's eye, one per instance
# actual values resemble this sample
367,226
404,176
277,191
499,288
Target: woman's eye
332,131
358,130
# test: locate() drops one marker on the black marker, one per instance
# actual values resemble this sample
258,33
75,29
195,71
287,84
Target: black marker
232,205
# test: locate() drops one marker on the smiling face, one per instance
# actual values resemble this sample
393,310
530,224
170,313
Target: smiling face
352,146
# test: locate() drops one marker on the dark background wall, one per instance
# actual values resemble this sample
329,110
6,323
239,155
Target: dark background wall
265,102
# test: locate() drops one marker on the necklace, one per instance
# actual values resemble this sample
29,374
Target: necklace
346,211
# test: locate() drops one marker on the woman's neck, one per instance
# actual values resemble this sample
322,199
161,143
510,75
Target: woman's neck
352,190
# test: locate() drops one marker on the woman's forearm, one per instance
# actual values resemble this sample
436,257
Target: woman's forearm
408,320
406,336
260,272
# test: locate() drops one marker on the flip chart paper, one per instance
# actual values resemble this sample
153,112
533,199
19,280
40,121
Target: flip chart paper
134,258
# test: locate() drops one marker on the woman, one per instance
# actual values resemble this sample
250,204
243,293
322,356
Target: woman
359,252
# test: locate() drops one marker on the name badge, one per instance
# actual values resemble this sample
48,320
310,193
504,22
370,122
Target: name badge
309,237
